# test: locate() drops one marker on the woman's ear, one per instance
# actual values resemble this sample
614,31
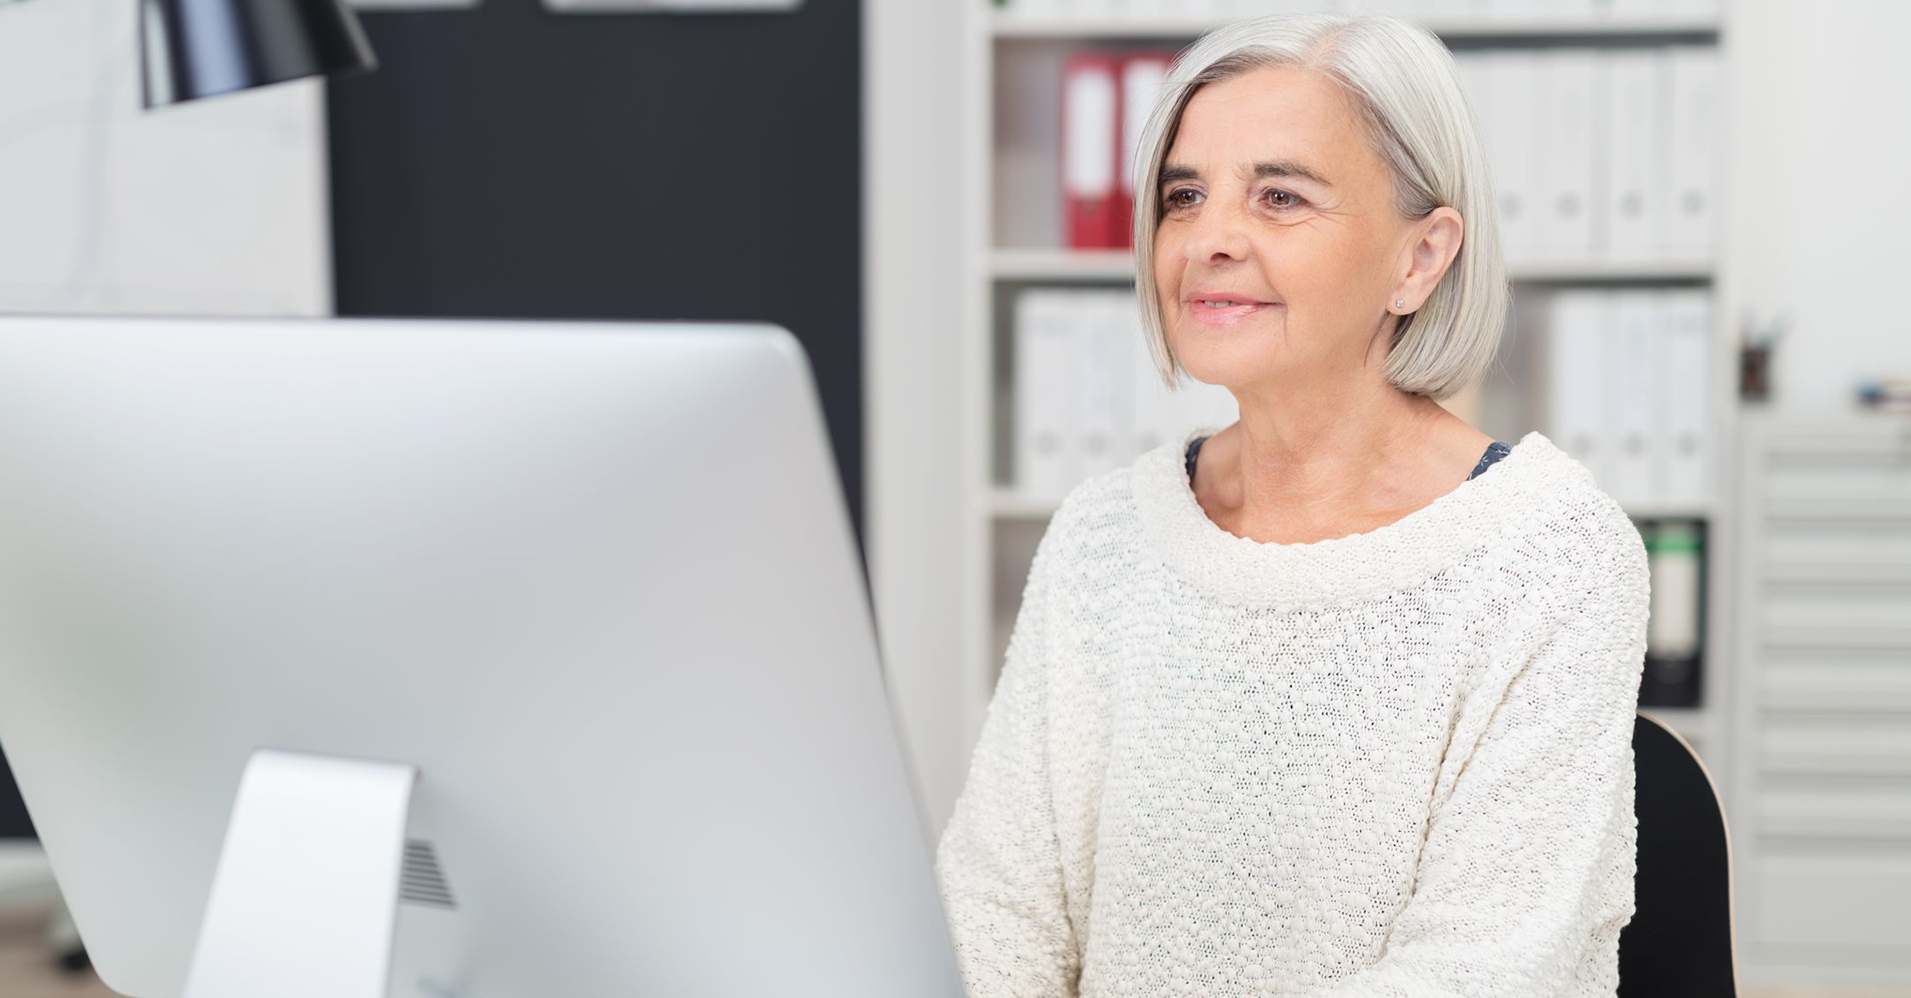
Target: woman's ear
1432,252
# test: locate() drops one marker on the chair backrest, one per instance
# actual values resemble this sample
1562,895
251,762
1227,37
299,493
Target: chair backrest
1679,941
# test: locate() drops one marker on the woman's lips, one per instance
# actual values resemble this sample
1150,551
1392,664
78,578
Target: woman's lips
1226,315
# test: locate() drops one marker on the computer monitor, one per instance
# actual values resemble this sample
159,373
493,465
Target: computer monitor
553,633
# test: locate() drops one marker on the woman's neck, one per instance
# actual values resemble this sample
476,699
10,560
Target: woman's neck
1292,473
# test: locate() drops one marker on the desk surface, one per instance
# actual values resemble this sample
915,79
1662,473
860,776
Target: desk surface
26,964
27,971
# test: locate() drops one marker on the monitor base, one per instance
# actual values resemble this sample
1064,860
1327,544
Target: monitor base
304,902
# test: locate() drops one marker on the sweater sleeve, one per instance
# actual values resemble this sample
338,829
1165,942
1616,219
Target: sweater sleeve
998,863
1526,874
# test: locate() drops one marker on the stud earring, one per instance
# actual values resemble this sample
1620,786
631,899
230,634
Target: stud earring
1399,303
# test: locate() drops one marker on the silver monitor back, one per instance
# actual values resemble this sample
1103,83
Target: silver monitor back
595,580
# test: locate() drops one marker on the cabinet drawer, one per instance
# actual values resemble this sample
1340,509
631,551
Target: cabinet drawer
1842,903
1872,744
1854,680
1871,812
1837,605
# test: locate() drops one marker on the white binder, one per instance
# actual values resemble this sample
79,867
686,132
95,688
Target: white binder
1412,10
1517,9
1513,148
1685,396
1162,415
1204,406
1475,71
1663,8
1153,413
1576,378
1633,135
1476,83
1046,461
1633,381
1253,8
1693,101
1568,96
1104,425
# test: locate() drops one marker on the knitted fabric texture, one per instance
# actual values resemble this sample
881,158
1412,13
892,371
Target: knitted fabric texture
1395,763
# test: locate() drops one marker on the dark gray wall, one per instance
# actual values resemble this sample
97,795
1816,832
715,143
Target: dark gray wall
505,161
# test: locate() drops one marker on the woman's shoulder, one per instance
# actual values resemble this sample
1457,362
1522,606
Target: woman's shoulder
1091,520
1098,503
1581,538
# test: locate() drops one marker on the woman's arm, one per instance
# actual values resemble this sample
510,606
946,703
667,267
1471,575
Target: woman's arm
998,863
1526,875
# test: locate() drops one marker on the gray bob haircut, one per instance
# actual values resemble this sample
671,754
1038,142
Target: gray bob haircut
1404,82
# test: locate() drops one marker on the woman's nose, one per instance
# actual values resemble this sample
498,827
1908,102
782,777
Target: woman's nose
1218,233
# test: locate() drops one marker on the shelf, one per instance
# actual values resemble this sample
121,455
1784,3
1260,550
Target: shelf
1118,265
1565,271
1061,265
1006,25
1008,504
1690,510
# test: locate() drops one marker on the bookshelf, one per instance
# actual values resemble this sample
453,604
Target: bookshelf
1013,240
1008,24
1115,267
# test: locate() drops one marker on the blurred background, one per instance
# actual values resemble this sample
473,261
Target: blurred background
1704,203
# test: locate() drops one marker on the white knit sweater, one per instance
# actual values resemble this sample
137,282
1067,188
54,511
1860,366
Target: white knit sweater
1395,763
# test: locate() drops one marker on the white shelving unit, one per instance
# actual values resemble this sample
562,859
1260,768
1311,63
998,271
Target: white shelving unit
1013,238
1066,266
1822,831
1009,24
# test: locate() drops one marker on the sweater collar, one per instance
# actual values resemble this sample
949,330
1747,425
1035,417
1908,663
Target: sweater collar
1352,567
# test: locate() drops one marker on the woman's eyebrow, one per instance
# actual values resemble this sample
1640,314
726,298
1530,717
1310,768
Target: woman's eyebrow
1271,168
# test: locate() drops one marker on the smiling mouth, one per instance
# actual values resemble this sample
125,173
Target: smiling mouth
1223,312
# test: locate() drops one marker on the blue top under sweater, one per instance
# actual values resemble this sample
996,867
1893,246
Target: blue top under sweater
1494,451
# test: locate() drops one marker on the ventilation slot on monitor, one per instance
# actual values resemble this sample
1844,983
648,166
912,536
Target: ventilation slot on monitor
423,880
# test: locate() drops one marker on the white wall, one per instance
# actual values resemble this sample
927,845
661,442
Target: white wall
1820,209
214,207
912,108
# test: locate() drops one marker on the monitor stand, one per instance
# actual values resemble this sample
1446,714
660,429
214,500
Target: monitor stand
305,899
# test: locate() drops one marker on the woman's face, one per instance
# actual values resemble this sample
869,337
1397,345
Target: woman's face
1272,196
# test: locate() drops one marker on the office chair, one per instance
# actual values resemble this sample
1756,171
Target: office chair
1679,942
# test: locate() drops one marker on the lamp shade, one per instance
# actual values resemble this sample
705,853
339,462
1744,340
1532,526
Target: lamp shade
198,48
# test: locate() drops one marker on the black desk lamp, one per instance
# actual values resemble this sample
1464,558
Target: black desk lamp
199,48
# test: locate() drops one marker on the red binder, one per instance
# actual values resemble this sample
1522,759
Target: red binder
1091,109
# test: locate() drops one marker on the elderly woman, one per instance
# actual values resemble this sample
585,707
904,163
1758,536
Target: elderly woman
1338,700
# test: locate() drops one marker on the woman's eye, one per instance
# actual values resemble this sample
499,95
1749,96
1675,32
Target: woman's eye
1276,198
